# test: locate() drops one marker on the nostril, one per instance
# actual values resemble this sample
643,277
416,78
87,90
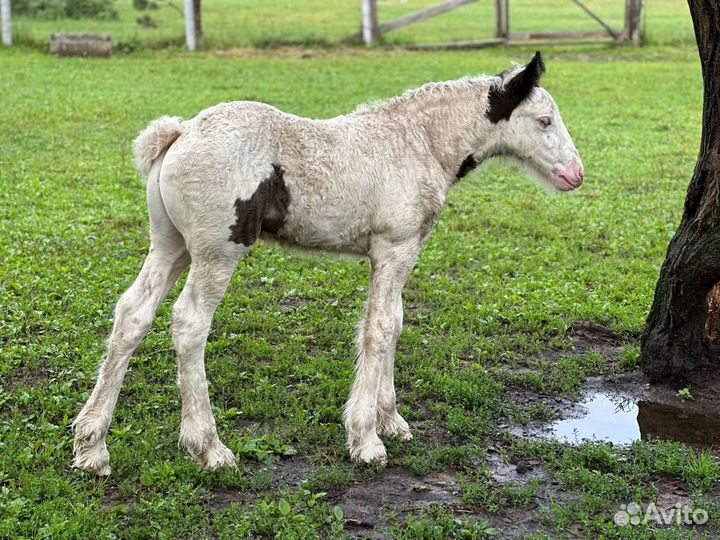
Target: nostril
579,170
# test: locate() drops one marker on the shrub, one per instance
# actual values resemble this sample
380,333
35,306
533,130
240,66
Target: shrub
73,9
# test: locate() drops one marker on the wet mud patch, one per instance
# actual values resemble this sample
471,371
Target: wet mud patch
374,501
521,471
516,520
291,304
369,504
673,494
372,505
28,377
287,473
430,431
290,473
224,497
114,500
587,336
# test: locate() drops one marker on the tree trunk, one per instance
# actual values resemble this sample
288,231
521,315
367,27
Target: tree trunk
675,342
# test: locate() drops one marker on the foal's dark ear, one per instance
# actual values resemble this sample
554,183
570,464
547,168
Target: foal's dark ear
502,101
534,70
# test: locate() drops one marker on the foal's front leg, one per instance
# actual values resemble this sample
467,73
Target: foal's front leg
391,266
389,421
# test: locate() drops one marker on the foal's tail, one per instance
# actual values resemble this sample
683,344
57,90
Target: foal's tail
154,140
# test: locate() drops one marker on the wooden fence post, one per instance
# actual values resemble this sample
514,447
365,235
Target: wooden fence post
198,19
6,24
190,29
633,21
370,27
499,20
506,13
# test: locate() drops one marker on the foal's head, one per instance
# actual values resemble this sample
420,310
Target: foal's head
531,129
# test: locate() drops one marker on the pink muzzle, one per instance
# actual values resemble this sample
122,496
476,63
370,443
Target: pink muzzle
569,178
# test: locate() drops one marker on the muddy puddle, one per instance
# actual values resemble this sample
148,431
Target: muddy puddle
619,419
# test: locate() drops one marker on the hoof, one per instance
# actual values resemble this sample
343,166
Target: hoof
93,458
371,452
219,457
396,427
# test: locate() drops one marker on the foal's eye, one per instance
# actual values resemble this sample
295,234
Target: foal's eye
544,121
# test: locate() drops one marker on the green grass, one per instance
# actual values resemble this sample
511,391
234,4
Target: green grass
243,23
505,273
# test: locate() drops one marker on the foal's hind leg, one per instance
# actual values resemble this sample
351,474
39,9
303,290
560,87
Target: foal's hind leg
192,317
389,421
133,316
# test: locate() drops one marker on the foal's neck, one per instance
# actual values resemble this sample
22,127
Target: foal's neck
450,119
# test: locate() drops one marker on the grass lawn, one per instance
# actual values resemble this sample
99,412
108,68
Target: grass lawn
491,308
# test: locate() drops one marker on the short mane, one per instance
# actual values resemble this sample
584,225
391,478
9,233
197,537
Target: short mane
432,88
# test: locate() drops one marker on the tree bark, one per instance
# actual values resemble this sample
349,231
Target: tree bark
675,343
712,325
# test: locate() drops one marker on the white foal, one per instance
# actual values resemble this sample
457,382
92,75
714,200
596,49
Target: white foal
372,182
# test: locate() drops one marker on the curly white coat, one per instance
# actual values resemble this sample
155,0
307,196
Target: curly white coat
372,182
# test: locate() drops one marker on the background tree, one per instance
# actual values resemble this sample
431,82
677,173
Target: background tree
675,342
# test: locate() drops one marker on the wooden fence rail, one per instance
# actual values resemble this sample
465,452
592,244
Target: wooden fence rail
372,30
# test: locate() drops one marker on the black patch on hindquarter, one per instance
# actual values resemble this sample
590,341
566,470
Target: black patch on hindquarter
465,167
264,211
502,101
